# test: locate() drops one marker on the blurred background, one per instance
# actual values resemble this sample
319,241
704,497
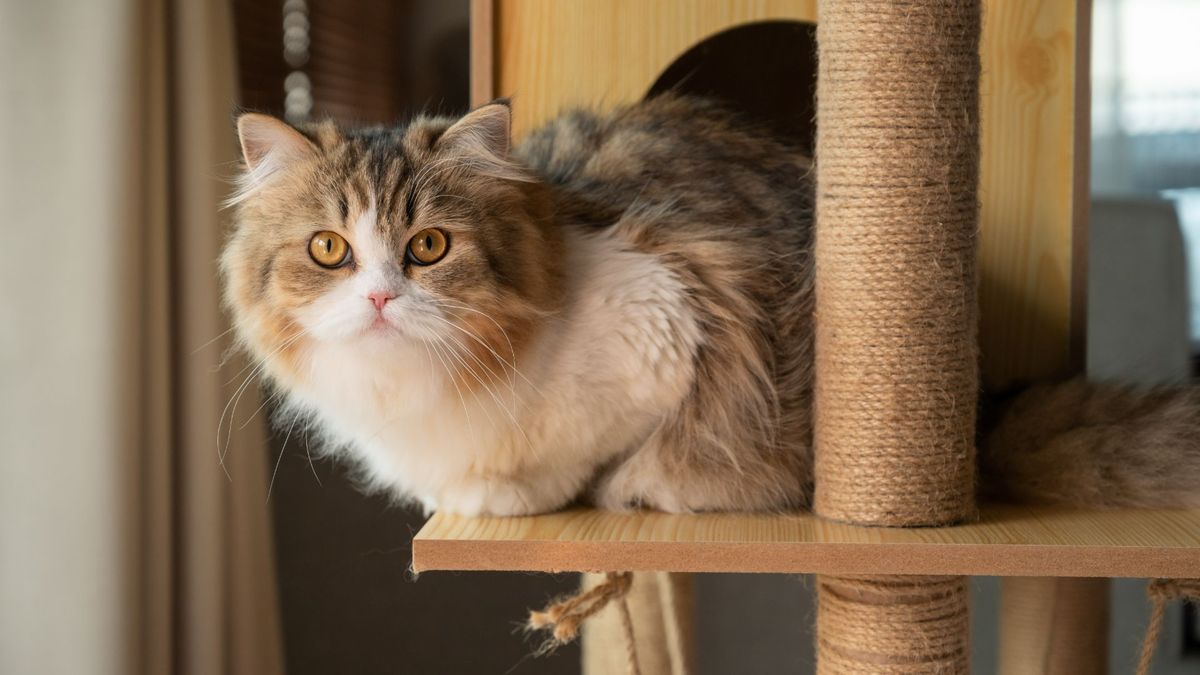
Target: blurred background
126,547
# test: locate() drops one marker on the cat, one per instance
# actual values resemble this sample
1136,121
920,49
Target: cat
619,310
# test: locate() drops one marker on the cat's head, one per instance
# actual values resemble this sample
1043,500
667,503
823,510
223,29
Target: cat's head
361,250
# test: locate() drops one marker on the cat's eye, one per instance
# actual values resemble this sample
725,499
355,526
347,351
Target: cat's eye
428,246
329,249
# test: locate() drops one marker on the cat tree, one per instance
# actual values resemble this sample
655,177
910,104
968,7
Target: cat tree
896,529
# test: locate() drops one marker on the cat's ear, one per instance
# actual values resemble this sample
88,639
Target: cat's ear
485,130
483,137
270,144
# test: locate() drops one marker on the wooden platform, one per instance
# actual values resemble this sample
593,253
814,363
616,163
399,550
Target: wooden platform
1006,541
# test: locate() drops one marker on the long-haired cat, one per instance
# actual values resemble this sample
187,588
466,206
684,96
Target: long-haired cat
619,309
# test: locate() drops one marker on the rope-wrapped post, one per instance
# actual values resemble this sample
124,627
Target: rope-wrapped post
896,375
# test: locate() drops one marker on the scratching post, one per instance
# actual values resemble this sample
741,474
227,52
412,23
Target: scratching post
897,156
896,378
892,625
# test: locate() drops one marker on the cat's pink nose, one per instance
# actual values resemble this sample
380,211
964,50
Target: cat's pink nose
380,298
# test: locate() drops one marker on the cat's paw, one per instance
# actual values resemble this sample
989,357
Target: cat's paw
491,497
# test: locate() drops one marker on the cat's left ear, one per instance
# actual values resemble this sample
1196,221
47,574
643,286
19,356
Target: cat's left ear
483,137
486,130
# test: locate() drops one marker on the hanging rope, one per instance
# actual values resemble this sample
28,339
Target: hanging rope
1161,592
564,617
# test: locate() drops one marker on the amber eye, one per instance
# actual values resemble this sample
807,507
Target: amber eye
329,249
428,246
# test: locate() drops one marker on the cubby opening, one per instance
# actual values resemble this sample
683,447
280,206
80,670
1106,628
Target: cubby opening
766,70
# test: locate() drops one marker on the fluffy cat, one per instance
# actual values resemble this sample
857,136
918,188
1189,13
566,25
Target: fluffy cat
618,309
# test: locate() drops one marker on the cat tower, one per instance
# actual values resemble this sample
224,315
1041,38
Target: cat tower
929,183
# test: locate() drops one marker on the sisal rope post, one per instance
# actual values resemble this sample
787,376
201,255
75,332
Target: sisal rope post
896,376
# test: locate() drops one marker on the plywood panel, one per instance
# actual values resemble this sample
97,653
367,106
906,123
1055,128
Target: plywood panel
1032,186
1034,192
1006,541
551,55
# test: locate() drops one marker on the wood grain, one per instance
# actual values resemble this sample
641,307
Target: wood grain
1031,174
482,52
554,55
1006,541
1032,253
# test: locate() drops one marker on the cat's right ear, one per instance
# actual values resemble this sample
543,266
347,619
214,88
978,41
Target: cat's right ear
270,145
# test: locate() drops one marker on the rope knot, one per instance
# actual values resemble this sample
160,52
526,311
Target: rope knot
1161,592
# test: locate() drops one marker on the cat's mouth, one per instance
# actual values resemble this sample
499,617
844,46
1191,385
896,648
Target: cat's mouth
383,326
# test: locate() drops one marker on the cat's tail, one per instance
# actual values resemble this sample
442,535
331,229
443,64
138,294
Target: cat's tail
1095,445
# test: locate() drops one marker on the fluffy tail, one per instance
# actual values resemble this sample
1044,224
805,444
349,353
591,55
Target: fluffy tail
1095,445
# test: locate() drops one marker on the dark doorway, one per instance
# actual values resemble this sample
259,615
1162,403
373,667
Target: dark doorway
766,70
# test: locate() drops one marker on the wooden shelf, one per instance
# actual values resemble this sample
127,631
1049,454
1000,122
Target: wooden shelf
1006,541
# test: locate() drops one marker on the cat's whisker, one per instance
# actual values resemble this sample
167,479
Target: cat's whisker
510,366
450,376
287,341
230,352
454,382
258,368
516,371
462,348
512,383
267,401
452,355
511,415
308,454
429,354
236,397
487,316
279,461
234,400
504,333
220,335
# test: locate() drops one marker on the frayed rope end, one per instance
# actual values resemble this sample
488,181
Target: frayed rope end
564,617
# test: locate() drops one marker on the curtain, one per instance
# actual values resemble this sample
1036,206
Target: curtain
124,546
